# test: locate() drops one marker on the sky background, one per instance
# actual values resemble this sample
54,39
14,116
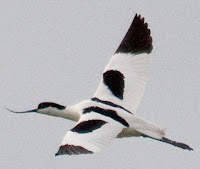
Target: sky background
56,51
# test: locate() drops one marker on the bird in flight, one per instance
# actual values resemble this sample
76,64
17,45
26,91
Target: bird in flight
110,113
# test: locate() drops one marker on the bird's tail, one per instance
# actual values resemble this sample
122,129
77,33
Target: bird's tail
149,130
146,128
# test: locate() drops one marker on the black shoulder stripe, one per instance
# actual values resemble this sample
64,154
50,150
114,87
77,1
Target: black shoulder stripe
137,39
108,113
115,82
109,104
72,150
88,126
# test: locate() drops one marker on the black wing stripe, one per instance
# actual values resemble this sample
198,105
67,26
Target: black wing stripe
108,113
110,104
88,126
137,39
115,82
72,150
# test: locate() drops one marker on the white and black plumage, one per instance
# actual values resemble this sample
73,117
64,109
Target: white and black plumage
110,113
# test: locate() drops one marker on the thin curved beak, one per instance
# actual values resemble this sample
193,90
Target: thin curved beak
28,111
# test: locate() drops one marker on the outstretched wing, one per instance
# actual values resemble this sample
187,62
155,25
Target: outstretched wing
124,78
93,132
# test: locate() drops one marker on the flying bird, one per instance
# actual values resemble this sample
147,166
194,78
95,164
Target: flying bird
110,113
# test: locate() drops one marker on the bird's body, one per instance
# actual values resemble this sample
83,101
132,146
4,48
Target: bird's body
111,112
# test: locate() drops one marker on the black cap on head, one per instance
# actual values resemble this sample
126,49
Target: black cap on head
50,104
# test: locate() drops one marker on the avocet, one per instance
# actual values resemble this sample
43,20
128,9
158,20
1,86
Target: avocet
110,113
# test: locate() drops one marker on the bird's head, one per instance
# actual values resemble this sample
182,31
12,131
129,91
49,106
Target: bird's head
48,108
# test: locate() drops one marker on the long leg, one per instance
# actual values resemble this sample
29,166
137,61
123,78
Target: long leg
174,143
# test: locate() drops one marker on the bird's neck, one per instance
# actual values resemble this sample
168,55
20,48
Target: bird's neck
70,113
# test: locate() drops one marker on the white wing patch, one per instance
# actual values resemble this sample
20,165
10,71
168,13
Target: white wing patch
134,68
90,135
125,83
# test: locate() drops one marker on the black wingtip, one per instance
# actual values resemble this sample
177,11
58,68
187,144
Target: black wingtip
72,150
137,39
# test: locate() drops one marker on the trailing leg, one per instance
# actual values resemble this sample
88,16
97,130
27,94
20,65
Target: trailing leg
174,143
